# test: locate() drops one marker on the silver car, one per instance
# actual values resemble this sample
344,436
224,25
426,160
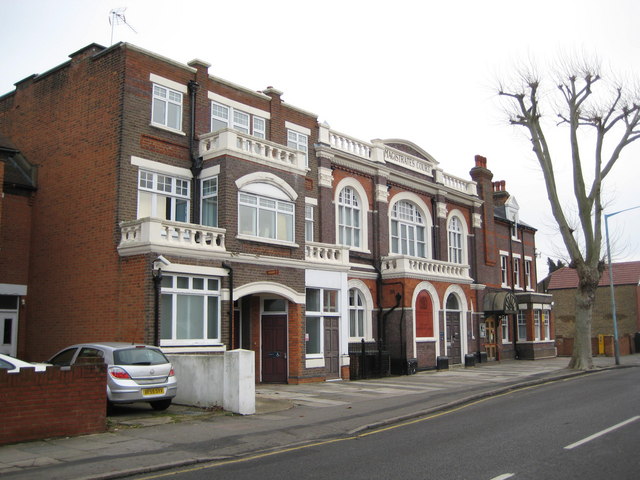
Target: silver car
135,372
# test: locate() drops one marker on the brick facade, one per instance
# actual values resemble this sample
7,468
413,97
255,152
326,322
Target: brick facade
107,214
75,403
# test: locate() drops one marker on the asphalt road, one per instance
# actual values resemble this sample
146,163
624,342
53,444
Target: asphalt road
587,428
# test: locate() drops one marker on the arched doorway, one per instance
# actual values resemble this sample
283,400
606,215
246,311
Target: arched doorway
454,338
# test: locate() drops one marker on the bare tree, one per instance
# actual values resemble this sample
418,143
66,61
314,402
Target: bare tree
583,100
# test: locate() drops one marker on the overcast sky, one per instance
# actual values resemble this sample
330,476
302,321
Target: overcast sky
421,70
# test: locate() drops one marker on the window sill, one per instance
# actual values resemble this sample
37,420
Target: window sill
193,348
270,241
168,129
311,362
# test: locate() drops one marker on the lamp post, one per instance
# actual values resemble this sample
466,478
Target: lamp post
616,346
156,273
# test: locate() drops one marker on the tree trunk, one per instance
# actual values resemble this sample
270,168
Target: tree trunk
581,359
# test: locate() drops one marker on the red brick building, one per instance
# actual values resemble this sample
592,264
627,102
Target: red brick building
562,285
177,208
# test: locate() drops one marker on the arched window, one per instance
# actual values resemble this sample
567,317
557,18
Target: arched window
407,230
356,314
453,305
454,229
349,218
424,315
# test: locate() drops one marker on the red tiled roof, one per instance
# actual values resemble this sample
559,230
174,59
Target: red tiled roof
626,273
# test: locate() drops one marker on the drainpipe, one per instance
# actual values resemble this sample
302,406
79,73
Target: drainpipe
196,161
157,279
230,270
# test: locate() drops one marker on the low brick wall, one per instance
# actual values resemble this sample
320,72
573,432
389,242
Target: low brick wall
54,403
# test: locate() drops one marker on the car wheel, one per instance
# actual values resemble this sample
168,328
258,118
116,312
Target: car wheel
161,404
110,408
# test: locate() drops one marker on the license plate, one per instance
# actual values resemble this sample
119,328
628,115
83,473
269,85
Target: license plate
153,391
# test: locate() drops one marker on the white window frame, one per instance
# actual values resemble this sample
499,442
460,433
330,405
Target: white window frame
516,272
170,98
349,217
407,219
357,312
504,269
455,239
527,273
504,324
546,317
522,324
326,309
174,290
238,119
309,211
209,193
300,142
165,187
282,209
536,324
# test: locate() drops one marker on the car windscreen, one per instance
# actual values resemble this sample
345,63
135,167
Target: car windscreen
6,365
138,356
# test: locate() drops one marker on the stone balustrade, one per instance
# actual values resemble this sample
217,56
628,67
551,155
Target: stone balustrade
436,269
139,236
349,144
326,253
238,143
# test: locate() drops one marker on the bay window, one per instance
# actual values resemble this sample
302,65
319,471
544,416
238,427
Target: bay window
190,310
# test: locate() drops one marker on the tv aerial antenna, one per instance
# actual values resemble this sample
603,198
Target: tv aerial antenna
116,17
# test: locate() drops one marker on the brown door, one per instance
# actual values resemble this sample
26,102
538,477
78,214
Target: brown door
274,348
453,337
491,344
331,347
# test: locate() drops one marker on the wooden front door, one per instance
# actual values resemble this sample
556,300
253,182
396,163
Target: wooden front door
332,347
274,348
454,342
491,343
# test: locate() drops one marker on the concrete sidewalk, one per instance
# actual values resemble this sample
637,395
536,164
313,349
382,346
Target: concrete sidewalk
140,440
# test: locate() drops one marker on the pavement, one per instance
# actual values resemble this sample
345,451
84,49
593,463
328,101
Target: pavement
140,441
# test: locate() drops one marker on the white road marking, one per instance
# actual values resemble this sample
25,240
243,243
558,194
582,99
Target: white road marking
599,434
504,476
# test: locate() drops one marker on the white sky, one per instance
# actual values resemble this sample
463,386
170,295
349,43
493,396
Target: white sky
421,70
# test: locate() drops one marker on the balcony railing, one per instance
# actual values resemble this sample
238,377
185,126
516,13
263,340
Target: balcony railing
155,234
326,253
422,267
244,145
349,144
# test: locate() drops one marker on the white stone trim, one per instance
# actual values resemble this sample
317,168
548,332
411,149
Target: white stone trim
227,102
269,178
13,289
298,128
160,167
165,82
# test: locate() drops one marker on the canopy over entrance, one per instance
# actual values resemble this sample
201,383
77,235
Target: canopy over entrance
502,303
